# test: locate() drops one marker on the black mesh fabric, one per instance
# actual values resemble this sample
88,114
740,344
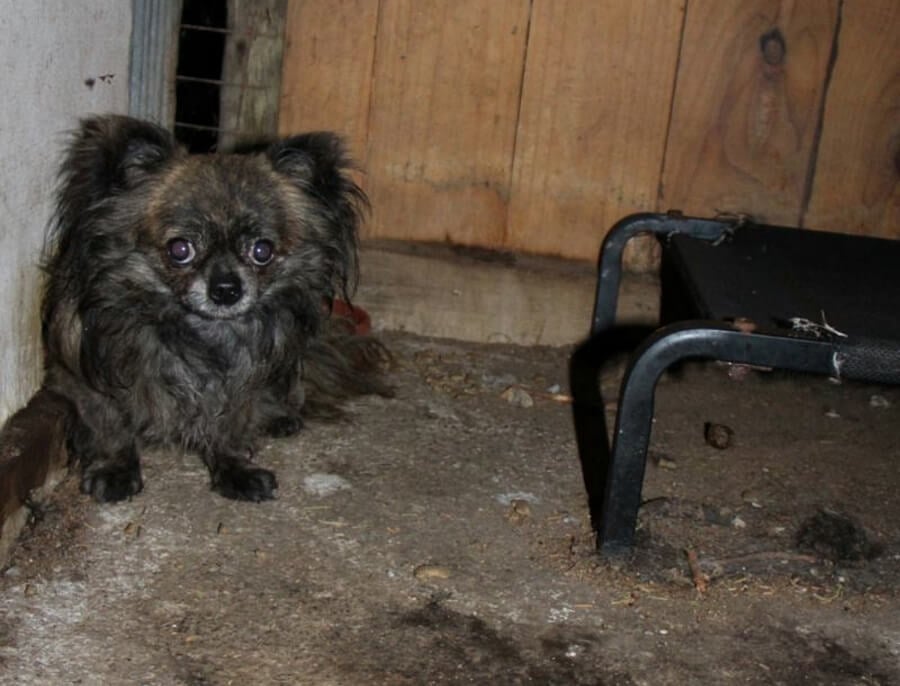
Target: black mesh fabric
869,360
773,275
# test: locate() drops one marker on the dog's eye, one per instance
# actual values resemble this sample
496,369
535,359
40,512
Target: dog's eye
181,250
262,252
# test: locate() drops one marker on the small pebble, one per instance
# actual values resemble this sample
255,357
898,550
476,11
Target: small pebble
518,397
324,484
519,511
832,414
721,516
666,462
574,651
510,498
739,372
435,411
431,572
717,435
752,498
879,401
738,523
745,325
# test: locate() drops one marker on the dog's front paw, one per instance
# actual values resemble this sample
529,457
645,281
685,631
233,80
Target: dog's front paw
282,427
112,483
242,481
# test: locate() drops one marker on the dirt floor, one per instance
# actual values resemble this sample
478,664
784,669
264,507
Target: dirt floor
441,537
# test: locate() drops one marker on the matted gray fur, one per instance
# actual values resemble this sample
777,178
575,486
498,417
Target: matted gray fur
188,300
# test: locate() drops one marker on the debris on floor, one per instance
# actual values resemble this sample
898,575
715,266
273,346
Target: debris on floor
719,436
835,536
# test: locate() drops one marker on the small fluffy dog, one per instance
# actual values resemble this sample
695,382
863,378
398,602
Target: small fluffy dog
188,300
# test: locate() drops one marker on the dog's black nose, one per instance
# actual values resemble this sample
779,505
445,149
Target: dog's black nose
225,289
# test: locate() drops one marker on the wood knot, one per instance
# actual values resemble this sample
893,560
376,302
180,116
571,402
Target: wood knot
773,47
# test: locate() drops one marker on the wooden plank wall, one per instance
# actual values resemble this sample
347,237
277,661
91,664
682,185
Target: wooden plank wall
856,188
443,116
251,67
746,107
590,143
533,125
326,82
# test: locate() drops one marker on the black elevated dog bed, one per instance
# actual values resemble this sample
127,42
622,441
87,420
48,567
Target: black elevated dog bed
739,292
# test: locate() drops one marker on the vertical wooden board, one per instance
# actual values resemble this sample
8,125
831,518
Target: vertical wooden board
327,74
442,130
592,129
746,107
251,70
857,177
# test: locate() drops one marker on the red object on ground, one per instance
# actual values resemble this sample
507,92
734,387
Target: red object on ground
360,318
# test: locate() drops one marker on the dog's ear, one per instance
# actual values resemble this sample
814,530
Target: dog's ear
318,164
109,154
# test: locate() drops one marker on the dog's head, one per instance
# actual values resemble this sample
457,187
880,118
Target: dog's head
222,234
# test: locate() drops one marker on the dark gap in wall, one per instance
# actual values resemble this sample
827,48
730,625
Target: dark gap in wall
510,170
201,49
660,185
817,135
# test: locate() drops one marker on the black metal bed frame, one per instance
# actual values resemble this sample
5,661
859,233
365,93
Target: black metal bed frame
613,470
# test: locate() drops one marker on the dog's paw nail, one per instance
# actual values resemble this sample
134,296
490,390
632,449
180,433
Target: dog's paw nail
112,484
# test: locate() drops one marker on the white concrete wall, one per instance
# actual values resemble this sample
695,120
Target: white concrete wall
49,49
